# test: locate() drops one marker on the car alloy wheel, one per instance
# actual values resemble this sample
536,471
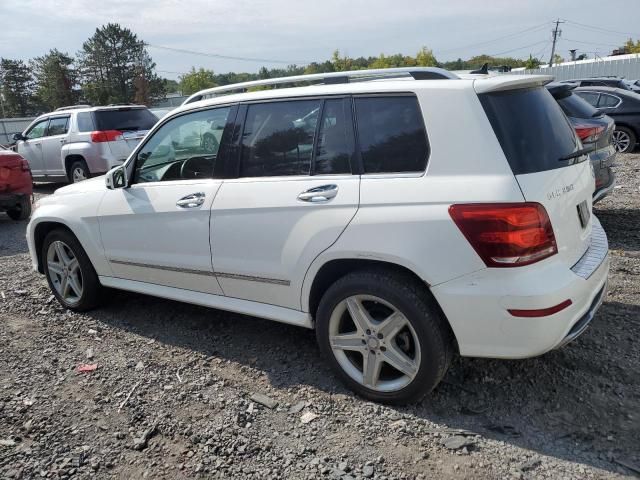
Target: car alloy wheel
78,175
621,140
374,343
65,272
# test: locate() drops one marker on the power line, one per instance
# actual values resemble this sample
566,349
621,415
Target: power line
225,57
602,30
516,34
518,48
592,43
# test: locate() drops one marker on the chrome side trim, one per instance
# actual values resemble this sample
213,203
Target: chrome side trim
251,278
163,267
595,254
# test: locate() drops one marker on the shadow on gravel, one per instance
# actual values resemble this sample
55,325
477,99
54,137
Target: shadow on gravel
12,240
578,403
622,227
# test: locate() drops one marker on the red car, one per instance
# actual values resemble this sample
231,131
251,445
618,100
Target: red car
16,185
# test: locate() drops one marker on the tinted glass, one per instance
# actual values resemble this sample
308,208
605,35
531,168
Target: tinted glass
183,148
592,83
532,129
278,138
335,140
391,134
589,97
125,119
58,126
576,107
608,100
85,122
38,130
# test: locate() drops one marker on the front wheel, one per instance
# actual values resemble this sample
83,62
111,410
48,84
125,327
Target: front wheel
69,272
624,140
384,335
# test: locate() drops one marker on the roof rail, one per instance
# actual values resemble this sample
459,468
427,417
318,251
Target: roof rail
72,107
418,73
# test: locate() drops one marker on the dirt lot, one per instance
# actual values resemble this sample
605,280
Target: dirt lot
171,397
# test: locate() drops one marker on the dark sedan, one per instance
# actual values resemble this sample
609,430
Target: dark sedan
621,105
595,131
614,82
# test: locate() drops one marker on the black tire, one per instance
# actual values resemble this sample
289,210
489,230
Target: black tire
412,299
22,211
632,139
91,288
78,165
210,143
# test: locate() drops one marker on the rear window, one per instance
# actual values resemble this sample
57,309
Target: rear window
532,129
125,119
574,106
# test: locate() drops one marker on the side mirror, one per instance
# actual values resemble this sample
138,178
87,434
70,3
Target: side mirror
116,178
17,137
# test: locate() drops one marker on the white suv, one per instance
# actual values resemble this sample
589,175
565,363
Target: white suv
75,143
404,214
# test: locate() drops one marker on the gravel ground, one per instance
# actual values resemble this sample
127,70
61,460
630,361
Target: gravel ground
186,392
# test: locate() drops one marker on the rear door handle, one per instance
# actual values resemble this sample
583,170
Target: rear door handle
321,194
191,201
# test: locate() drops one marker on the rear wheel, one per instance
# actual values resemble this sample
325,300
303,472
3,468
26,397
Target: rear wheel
384,335
78,171
69,271
22,211
624,140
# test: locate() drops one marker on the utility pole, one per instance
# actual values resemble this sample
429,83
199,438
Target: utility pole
556,33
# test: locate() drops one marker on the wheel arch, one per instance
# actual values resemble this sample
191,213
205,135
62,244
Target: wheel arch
40,232
70,159
334,269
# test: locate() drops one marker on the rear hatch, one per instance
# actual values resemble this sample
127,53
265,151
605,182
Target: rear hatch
540,145
126,127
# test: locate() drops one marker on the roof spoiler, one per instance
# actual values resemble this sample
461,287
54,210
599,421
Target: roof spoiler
509,82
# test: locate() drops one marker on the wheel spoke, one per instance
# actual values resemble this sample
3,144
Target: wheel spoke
392,325
398,360
359,314
62,255
73,265
64,287
54,267
74,284
348,341
370,369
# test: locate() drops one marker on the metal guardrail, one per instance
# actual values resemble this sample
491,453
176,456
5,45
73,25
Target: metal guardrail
11,126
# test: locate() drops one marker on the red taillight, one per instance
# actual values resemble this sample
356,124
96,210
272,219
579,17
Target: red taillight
506,234
589,133
105,136
541,312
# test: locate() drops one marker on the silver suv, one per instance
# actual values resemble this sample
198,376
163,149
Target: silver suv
75,143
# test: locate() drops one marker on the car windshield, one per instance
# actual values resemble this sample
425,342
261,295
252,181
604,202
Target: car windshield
125,119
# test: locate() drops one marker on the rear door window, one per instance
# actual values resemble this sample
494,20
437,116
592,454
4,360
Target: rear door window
576,107
391,134
58,126
532,129
590,97
278,138
124,119
335,146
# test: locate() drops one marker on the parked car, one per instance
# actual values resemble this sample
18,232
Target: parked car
614,82
75,143
634,85
16,185
621,105
399,245
594,129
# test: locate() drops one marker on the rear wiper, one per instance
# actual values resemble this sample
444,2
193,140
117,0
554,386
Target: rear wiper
578,153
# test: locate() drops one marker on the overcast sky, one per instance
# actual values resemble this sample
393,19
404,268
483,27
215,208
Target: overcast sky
299,31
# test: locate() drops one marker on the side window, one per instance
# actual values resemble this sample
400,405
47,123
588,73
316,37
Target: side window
38,130
391,134
608,101
278,138
58,126
335,145
85,122
185,147
590,97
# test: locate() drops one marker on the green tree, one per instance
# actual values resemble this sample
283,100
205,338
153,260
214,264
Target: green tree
171,86
341,64
532,63
17,88
116,67
557,59
426,58
55,79
197,80
632,47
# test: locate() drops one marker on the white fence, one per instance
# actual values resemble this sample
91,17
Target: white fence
10,126
627,66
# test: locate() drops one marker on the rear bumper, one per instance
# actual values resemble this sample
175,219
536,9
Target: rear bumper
604,190
11,200
476,305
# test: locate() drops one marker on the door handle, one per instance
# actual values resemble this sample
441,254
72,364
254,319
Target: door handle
320,194
191,201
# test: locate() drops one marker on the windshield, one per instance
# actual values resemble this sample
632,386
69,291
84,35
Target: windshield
125,119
